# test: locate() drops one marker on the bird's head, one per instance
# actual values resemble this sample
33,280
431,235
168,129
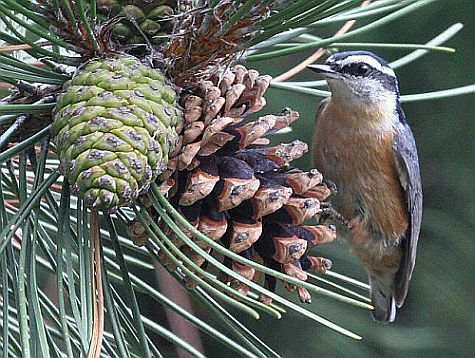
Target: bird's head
359,76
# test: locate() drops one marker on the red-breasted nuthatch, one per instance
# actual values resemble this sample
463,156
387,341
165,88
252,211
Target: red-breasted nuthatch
364,145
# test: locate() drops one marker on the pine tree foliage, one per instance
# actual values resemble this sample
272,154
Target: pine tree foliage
200,189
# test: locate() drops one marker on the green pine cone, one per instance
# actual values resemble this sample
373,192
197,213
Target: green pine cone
114,127
152,17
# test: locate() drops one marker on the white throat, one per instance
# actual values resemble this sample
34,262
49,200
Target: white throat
362,93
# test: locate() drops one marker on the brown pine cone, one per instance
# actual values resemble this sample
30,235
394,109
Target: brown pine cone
234,187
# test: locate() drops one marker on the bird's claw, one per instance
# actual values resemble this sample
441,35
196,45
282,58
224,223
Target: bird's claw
328,212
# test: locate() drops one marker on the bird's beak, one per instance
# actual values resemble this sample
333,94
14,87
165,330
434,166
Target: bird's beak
325,71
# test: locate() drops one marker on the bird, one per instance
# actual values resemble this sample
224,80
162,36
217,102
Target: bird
364,146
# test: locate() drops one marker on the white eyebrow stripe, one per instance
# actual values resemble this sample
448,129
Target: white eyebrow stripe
370,61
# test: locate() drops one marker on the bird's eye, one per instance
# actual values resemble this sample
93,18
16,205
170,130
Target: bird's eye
357,69
362,69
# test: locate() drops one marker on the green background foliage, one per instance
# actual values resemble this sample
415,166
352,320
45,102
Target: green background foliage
437,319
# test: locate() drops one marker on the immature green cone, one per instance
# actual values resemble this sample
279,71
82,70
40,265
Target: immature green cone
150,20
114,128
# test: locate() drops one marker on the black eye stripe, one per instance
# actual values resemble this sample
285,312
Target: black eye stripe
357,69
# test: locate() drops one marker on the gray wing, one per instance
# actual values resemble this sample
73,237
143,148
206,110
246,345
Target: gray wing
407,162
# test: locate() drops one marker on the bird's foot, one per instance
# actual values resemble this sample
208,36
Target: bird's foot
329,212
331,185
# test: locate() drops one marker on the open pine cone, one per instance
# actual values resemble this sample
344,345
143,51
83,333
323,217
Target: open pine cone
118,127
226,180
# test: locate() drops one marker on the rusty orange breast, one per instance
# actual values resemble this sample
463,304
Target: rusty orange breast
354,149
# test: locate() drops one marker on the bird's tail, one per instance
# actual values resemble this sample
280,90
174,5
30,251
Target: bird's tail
382,297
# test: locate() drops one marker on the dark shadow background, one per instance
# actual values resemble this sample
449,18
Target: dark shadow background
438,319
